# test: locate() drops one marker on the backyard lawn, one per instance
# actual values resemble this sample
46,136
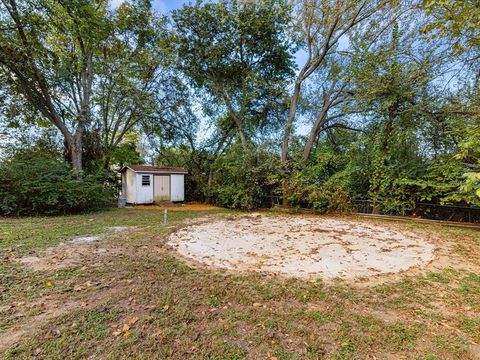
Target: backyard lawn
108,286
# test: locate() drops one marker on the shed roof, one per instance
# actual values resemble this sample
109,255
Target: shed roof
155,169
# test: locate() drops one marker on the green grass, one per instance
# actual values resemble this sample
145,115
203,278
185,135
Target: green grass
24,234
186,312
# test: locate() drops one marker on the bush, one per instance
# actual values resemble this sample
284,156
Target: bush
322,184
333,195
39,183
246,179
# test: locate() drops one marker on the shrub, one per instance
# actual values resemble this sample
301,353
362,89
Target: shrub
39,183
246,179
322,183
333,195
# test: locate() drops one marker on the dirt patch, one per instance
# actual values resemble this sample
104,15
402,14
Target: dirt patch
179,207
73,253
302,247
85,239
118,228
66,256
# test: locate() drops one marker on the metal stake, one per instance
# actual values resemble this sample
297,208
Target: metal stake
165,216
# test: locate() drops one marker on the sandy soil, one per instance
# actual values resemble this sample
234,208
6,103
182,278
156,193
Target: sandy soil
179,207
302,247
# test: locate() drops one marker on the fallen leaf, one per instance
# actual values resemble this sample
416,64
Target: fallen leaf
116,333
133,320
270,357
257,304
125,327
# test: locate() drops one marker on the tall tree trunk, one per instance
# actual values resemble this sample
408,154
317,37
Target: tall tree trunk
73,151
319,122
237,119
387,132
76,155
210,177
287,133
86,79
240,132
291,117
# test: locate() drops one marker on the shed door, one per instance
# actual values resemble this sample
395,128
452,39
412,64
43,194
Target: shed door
161,187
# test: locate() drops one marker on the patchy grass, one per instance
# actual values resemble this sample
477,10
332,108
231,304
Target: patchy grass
25,234
139,300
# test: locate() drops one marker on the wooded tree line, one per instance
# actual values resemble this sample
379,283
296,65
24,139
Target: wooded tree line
314,103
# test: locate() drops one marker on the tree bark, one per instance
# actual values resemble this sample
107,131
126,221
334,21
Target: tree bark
291,117
319,122
392,113
76,155
239,126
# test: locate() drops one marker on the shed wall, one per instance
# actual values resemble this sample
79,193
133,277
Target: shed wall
144,193
177,189
130,191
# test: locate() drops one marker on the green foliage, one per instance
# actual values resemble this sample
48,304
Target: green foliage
84,68
321,184
34,182
455,20
125,153
106,78
246,179
441,183
333,195
470,156
240,54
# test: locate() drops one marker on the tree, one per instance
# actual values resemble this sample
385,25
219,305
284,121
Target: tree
46,56
457,21
322,26
93,73
465,121
331,90
135,86
391,82
238,52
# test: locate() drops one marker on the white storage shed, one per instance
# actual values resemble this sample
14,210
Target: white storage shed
145,184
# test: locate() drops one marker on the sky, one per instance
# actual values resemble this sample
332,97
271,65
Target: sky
162,6
168,5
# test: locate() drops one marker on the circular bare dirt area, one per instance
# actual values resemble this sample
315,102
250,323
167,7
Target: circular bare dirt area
302,247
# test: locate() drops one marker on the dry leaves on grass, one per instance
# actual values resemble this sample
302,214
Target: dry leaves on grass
124,329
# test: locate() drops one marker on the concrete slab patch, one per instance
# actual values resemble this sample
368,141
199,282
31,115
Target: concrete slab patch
302,247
